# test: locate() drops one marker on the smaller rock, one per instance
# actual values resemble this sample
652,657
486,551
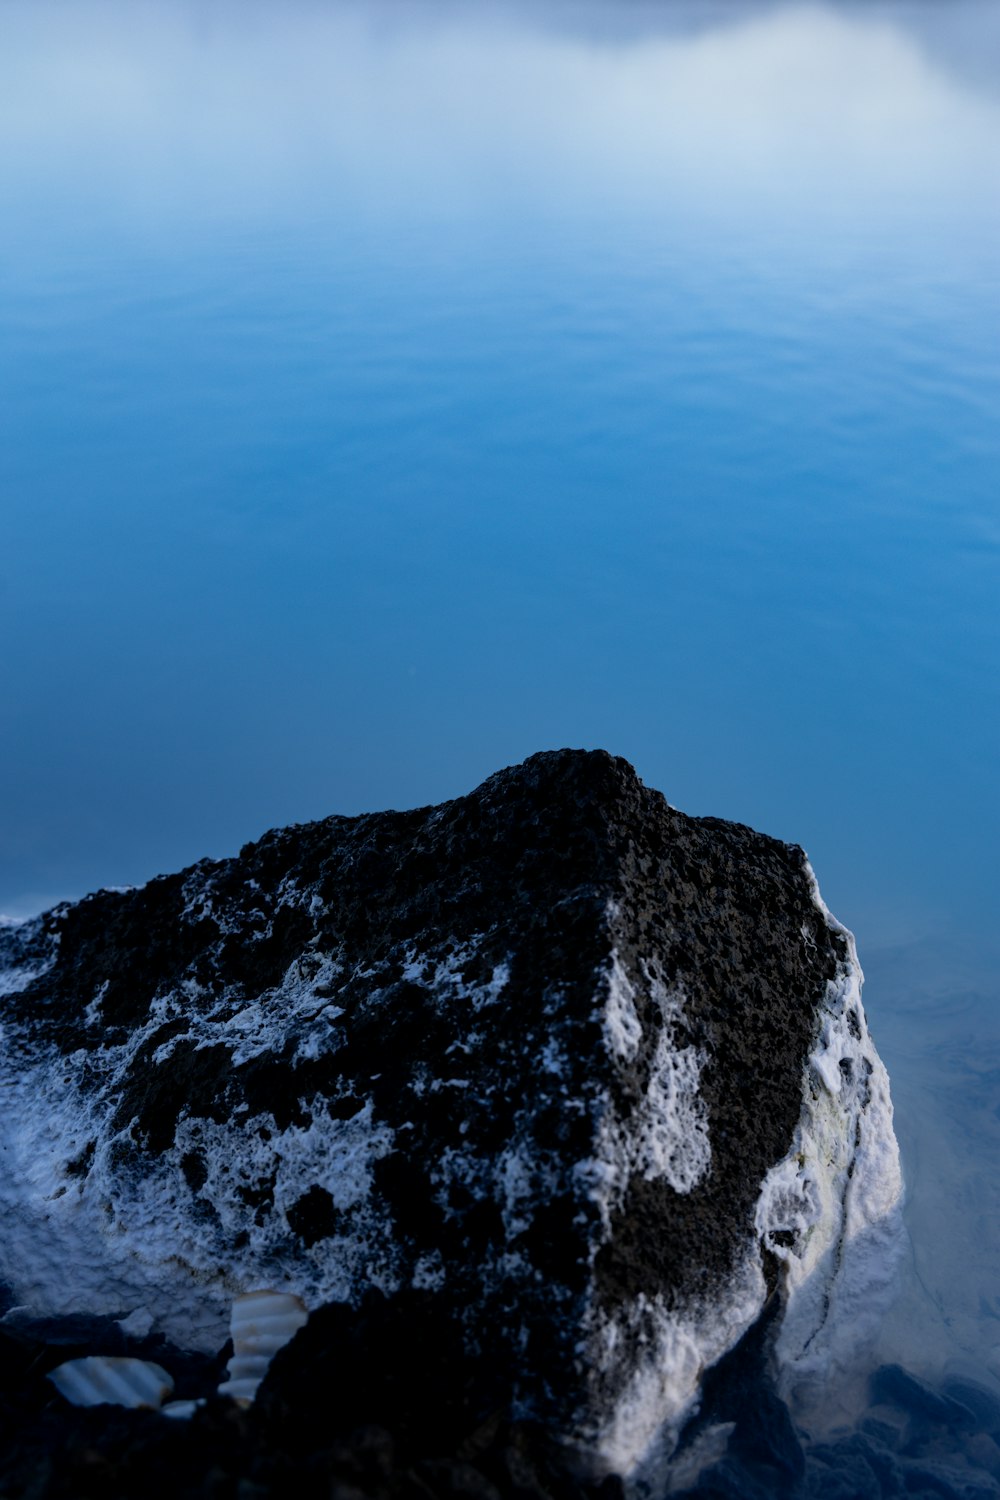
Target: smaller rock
893,1384
885,1425
451,1479
398,1363
977,1400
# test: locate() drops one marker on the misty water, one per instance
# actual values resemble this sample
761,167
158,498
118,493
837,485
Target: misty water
387,392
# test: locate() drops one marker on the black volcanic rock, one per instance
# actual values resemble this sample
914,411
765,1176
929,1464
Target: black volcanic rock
575,1074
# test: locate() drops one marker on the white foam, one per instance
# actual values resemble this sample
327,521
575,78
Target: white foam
622,1031
143,1237
15,981
140,1240
831,1211
639,1429
664,1135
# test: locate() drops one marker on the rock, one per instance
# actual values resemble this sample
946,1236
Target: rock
981,1404
895,1386
564,1069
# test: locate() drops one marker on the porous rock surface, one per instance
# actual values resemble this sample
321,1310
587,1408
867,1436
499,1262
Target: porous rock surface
590,1075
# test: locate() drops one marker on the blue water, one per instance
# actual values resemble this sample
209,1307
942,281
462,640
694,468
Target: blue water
387,392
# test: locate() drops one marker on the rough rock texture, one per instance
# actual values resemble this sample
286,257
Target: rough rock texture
591,1074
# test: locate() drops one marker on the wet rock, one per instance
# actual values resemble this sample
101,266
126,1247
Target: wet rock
454,1479
892,1384
885,1425
568,1079
984,1452
981,1404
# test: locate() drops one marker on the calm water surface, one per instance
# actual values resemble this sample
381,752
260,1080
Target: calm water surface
387,393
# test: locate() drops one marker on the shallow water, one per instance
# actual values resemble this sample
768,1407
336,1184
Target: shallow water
391,391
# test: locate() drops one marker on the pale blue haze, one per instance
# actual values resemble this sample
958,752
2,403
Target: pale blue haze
389,392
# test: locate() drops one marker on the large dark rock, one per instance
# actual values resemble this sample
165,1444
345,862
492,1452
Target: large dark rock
590,1076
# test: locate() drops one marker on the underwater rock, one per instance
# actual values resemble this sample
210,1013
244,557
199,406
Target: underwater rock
592,1075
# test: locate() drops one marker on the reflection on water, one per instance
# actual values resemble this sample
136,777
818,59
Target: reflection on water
391,391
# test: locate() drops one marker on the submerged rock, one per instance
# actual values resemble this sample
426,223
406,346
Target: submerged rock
590,1076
